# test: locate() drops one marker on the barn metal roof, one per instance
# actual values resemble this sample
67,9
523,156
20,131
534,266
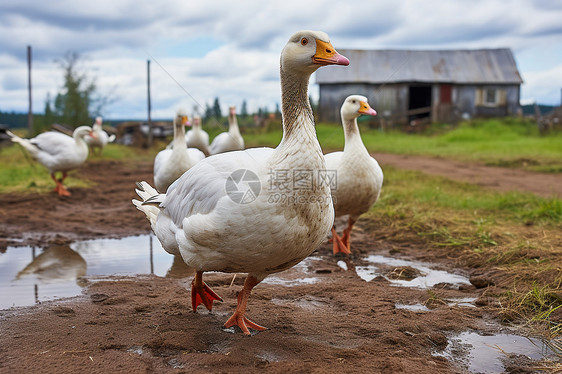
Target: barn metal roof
445,66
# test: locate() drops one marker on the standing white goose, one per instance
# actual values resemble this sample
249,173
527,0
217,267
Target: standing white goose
359,176
100,138
197,137
231,140
58,152
232,213
170,164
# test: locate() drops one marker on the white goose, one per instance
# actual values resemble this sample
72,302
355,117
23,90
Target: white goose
101,138
58,152
231,140
170,164
359,176
197,137
217,216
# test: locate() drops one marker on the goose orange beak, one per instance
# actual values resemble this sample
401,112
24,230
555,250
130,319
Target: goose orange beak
366,109
326,54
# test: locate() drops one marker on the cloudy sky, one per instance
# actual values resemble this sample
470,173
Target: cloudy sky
230,49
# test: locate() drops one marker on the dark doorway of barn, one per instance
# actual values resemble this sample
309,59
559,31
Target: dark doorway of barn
419,105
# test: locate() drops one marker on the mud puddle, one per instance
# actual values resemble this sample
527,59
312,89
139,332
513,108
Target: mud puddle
30,275
489,353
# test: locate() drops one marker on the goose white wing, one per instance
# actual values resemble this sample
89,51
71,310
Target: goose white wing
199,190
53,143
198,214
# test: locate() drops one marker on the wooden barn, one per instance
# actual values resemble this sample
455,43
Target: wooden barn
407,87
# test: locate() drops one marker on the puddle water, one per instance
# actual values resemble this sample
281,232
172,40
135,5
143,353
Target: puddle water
484,354
414,307
268,356
294,276
427,278
342,264
29,275
466,302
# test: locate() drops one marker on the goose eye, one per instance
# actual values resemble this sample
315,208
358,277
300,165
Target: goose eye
304,41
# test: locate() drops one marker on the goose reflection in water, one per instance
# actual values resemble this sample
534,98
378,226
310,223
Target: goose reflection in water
58,263
179,269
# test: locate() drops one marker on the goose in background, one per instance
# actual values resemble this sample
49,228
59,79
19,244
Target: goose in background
226,213
231,140
197,137
58,152
359,176
170,164
101,138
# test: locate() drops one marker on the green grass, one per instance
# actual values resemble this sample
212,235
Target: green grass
498,142
121,152
21,174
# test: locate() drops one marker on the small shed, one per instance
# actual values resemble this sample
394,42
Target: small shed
408,86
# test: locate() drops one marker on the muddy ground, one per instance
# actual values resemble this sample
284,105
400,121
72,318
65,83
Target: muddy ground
145,324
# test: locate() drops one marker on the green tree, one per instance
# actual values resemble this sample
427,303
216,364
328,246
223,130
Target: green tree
78,101
217,109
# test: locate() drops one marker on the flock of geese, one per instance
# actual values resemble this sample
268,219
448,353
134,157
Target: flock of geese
192,213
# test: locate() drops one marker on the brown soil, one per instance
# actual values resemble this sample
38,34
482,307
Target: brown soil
145,323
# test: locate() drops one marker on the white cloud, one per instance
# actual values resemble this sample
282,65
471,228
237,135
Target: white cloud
543,86
231,50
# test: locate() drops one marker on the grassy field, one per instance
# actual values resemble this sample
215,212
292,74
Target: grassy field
500,142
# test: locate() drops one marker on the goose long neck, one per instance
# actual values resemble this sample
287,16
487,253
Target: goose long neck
299,148
297,112
79,139
233,124
351,134
179,137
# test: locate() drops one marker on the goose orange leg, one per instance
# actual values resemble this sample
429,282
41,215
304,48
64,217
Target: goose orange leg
338,245
346,237
59,188
238,318
201,293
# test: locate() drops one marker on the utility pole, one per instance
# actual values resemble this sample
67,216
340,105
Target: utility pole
29,111
149,105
